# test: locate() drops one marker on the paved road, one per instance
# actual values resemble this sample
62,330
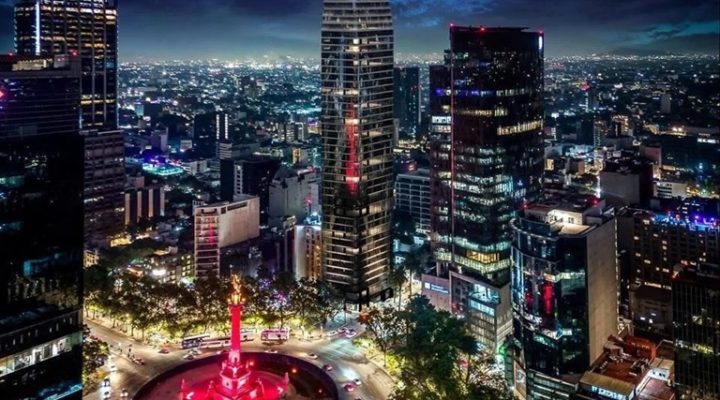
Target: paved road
347,360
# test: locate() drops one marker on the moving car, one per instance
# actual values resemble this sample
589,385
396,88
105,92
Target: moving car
313,356
328,367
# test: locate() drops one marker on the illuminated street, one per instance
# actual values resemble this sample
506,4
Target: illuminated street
347,361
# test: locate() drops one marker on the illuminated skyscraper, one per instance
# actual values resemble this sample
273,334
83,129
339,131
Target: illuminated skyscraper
87,28
41,228
564,292
357,132
486,161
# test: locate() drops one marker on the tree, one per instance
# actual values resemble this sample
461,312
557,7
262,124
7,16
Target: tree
98,282
95,353
211,294
438,357
397,278
383,327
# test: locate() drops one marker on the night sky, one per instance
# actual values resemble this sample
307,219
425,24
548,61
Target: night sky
236,29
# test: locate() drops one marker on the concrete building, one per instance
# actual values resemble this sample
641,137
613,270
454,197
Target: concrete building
171,266
308,251
294,192
412,196
670,189
655,242
627,180
629,368
144,203
221,225
564,292
251,175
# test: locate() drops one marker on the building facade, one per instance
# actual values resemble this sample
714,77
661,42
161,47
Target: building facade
249,176
87,28
486,153
406,96
696,318
144,203
293,192
412,197
41,228
357,132
564,292
655,242
221,225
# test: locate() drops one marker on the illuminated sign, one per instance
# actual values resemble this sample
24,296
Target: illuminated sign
441,120
436,288
608,393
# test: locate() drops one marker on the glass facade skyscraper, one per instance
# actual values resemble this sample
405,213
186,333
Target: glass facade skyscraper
696,318
41,228
564,292
87,28
357,131
486,161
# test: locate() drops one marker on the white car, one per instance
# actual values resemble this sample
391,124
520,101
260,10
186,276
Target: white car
331,333
351,333
313,356
357,382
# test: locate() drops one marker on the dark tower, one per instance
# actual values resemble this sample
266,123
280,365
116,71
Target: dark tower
486,160
87,28
407,97
41,227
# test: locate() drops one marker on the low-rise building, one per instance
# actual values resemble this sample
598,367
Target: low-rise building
628,369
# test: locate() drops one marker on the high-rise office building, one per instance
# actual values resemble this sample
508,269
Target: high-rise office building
564,292
357,132
87,28
655,242
696,318
41,228
486,158
406,95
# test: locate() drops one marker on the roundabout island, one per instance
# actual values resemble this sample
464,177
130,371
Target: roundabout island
241,376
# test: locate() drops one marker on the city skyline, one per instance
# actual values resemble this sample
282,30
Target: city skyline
250,29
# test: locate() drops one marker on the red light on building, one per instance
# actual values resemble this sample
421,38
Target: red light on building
482,29
2,94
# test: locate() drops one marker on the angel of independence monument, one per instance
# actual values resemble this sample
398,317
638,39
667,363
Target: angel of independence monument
236,380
